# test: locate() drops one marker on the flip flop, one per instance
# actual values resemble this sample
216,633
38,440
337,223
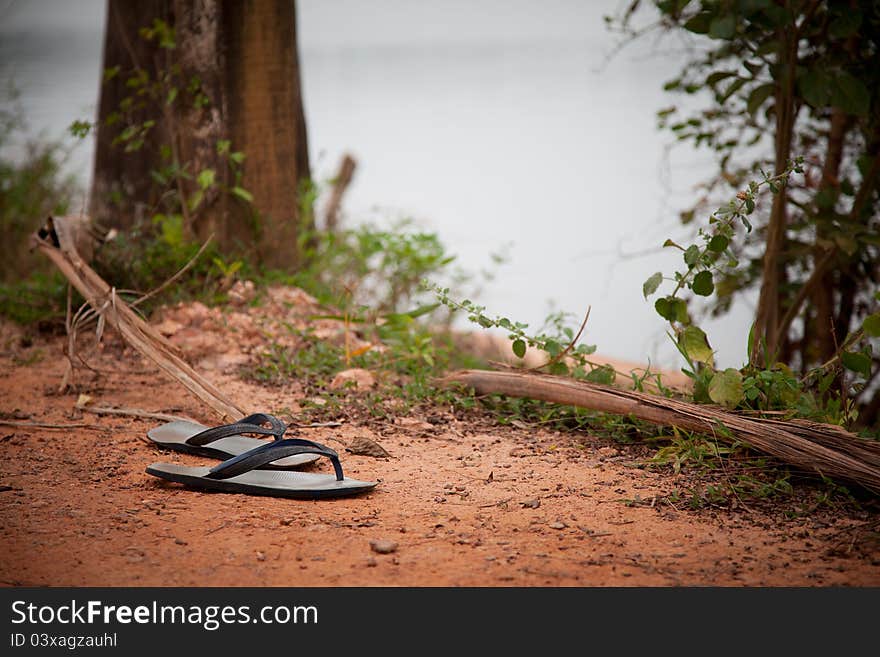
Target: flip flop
225,442
240,474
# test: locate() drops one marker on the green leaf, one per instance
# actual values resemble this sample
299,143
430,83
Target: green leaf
559,368
664,309
732,89
695,344
871,325
718,76
243,194
552,347
723,27
703,284
672,309
718,243
604,375
692,255
422,310
700,23
754,67
815,87
856,361
850,94
196,199
206,178
650,286
757,97
519,348
726,388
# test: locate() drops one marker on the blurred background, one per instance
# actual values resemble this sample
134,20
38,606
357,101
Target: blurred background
506,126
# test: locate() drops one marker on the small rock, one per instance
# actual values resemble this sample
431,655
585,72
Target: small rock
607,452
414,423
557,525
362,379
180,541
531,504
371,562
383,546
241,292
261,556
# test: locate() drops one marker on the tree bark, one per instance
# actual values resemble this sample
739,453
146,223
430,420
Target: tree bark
766,346
241,57
267,121
824,341
122,189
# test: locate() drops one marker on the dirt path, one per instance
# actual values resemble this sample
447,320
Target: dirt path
466,503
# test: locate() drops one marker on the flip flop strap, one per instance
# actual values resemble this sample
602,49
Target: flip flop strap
250,424
265,418
278,449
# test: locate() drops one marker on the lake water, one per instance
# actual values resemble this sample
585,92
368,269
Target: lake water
491,122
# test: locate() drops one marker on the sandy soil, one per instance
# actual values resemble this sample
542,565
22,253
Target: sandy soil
462,501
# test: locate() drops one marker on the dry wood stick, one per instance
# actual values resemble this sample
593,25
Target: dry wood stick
811,446
340,184
135,331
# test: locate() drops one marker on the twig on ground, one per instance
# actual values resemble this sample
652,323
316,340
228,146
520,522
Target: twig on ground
47,425
133,412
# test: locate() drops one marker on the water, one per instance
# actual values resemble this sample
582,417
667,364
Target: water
491,122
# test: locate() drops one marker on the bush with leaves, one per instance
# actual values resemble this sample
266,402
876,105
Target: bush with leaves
779,79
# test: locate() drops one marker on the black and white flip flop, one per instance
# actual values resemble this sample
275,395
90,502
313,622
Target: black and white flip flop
240,474
226,441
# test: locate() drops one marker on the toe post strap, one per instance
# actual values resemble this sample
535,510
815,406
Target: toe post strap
277,449
252,424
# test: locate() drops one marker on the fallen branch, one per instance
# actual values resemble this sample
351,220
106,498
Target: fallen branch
84,405
134,330
340,184
47,425
827,450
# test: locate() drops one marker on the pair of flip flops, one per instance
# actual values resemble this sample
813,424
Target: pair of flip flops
250,465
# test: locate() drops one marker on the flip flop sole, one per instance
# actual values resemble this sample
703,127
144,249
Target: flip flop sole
274,483
174,435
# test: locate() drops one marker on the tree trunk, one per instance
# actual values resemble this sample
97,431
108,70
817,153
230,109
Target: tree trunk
267,121
122,189
234,71
824,340
766,345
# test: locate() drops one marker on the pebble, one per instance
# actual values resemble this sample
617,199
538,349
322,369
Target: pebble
383,546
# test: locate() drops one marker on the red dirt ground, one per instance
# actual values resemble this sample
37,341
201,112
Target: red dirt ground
467,502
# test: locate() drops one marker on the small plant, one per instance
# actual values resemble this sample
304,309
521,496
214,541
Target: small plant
773,386
557,340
